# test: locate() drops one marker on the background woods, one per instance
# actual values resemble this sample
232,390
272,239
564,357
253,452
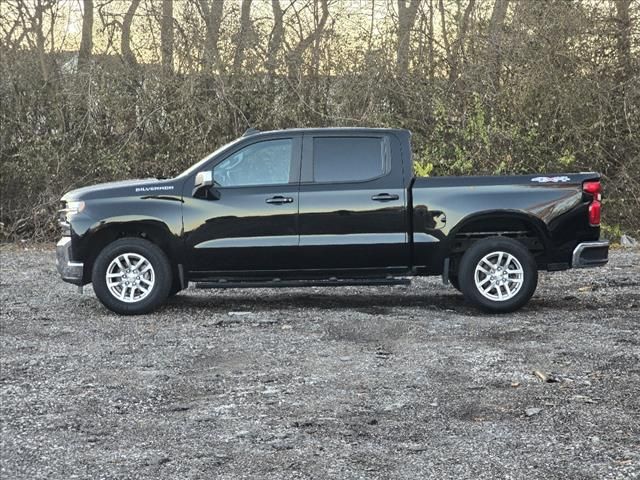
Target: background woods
96,90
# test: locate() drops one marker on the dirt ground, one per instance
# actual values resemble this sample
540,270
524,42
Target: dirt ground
363,382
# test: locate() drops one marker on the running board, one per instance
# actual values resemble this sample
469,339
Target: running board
277,283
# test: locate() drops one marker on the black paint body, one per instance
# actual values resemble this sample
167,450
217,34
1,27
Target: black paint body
332,229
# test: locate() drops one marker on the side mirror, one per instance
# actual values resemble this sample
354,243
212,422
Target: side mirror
204,180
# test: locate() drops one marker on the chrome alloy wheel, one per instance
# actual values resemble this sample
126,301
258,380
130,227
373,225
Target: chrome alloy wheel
499,276
130,277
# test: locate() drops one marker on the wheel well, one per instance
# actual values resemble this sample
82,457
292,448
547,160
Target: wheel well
107,235
516,227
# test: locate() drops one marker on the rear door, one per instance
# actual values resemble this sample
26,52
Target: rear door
353,207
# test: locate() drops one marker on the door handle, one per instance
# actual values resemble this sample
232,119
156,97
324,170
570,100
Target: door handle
385,197
279,200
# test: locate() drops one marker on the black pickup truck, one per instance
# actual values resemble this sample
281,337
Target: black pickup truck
326,207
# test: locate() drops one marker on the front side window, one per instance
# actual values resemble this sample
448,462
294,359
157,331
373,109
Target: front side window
262,163
349,159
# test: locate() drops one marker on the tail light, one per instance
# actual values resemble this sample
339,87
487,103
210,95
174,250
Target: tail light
594,188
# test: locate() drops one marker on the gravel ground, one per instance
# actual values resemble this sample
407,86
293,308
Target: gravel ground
366,382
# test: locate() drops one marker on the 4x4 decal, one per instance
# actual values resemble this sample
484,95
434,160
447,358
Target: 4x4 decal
562,179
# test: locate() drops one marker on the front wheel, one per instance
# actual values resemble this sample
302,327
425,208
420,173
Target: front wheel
132,276
498,274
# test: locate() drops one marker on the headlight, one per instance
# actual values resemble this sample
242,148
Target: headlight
73,207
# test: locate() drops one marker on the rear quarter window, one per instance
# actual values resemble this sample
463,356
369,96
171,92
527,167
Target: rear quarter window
349,159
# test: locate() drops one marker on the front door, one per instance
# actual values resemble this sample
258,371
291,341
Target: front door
353,206
248,224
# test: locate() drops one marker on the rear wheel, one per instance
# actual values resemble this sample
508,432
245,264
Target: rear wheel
498,274
132,276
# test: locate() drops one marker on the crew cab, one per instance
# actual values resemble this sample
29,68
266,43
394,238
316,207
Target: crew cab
326,207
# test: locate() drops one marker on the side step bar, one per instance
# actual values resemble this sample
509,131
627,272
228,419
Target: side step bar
276,283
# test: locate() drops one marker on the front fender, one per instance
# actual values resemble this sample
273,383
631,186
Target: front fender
103,220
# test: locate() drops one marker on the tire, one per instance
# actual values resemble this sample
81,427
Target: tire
503,291
132,292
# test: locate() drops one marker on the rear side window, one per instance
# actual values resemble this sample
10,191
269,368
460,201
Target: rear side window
349,159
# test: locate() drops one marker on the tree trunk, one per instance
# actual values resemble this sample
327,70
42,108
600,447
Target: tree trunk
406,20
496,25
125,39
445,34
212,15
623,39
277,36
37,25
458,44
86,42
166,37
242,36
431,57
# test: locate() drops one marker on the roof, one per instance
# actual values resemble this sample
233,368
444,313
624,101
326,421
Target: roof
316,130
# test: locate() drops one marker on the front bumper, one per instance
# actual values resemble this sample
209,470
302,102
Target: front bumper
590,254
70,271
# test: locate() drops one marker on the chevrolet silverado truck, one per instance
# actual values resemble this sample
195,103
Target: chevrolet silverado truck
326,207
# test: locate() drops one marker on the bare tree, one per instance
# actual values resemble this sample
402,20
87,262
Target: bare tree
623,38
166,36
212,15
496,26
37,26
458,44
277,37
406,20
294,58
242,36
431,41
125,39
445,33
86,41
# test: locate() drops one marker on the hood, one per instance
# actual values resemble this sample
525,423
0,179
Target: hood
133,188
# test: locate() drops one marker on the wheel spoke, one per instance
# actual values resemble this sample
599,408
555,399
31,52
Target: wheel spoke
488,263
482,282
486,272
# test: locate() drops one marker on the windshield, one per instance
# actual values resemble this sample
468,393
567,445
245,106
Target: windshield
196,167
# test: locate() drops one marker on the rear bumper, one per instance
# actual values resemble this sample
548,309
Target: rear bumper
70,271
590,254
